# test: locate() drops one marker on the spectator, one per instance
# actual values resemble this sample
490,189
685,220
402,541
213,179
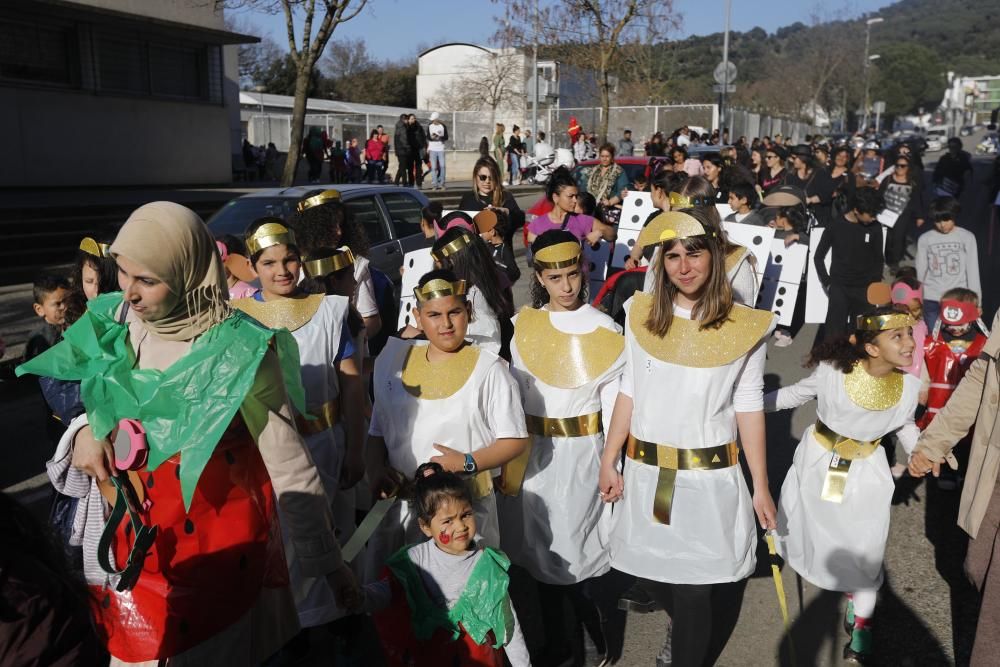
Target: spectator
271,162
384,138
498,151
417,139
543,148
947,257
683,136
858,261
625,146
903,192
580,148
515,150
773,173
51,294
484,147
656,147
354,161
338,164
401,145
248,159
949,174
314,150
487,192
437,134
742,197
811,177
606,180
529,142
374,152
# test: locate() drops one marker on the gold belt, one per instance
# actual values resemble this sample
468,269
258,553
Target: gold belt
328,414
670,459
565,427
844,451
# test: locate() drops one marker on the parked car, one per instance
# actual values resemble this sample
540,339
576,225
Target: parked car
936,140
390,216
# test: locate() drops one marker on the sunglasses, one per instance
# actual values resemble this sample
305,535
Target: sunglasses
901,165
484,177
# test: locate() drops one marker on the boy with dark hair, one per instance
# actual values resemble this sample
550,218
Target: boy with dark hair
52,294
855,239
947,257
950,171
742,197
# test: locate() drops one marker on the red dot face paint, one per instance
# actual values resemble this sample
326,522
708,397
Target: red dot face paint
444,537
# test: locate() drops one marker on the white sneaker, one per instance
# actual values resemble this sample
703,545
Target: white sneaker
782,339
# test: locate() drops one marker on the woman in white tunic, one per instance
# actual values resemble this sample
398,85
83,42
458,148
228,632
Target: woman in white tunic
333,431
567,358
466,255
442,400
693,381
833,517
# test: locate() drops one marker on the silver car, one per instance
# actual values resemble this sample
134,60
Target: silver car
389,215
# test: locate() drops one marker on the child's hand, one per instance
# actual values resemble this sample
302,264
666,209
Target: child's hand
790,239
763,505
610,484
450,459
920,465
345,589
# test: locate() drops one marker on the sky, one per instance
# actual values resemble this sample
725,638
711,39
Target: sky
397,29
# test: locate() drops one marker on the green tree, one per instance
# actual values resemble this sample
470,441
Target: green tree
909,76
280,75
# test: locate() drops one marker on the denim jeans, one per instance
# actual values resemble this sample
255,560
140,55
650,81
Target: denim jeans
515,170
437,168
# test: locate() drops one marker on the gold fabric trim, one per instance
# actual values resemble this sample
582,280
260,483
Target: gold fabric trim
512,473
563,360
670,459
92,247
678,200
424,380
317,200
687,345
872,393
324,266
451,248
437,288
480,484
564,427
281,313
884,322
267,235
558,256
327,416
671,225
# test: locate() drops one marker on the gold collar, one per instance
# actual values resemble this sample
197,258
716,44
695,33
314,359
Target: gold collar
873,393
687,345
288,314
422,379
563,360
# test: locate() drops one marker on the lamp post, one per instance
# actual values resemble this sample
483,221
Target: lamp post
868,32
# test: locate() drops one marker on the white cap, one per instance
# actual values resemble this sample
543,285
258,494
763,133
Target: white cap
435,115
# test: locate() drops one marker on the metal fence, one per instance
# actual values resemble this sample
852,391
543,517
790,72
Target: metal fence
467,128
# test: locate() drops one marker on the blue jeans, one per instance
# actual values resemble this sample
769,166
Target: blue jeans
515,170
437,168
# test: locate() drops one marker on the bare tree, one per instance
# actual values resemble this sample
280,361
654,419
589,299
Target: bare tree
587,33
254,59
346,58
490,83
304,51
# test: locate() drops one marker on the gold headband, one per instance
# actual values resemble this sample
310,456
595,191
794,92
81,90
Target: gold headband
670,226
92,247
884,322
678,200
316,200
451,248
558,256
267,235
317,267
437,288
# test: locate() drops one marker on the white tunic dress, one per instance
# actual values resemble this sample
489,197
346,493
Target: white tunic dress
484,329
486,407
712,535
840,546
557,527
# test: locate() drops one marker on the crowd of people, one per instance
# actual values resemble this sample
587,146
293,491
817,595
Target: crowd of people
249,452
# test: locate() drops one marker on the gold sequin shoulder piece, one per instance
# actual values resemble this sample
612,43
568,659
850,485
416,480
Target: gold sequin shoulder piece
687,345
873,393
560,359
735,256
422,379
288,314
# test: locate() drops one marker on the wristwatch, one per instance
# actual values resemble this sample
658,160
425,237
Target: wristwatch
470,464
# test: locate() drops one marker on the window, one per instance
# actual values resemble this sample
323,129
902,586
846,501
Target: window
176,71
404,211
38,52
365,211
121,65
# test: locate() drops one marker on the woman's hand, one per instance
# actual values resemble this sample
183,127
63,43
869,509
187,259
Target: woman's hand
450,459
920,465
763,505
610,484
94,457
594,237
631,262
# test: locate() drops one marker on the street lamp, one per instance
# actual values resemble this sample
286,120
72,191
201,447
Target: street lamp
868,31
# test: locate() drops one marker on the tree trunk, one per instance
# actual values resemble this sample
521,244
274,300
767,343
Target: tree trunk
605,104
298,122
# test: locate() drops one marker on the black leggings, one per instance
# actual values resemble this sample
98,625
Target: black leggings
559,637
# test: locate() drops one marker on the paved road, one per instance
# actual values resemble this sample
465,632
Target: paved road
926,609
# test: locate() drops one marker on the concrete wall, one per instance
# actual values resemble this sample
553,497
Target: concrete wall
78,139
195,12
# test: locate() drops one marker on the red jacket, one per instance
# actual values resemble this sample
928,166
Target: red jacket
946,364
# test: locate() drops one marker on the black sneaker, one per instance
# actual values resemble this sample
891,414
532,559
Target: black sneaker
638,600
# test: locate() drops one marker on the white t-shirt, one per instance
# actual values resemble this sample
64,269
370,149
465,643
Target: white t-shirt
435,133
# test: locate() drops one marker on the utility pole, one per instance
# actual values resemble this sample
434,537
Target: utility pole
534,67
868,32
725,67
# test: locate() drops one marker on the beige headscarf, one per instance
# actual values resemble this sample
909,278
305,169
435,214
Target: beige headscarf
172,241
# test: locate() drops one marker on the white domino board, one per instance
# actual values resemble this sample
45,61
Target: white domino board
756,239
596,265
636,208
724,210
415,264
782,277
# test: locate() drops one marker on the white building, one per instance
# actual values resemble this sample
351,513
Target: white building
117,92
969,100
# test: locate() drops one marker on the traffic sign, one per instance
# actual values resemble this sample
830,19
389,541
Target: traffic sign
730,89
725,72
878,107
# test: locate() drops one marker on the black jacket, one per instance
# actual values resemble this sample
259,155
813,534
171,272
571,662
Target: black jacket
400,144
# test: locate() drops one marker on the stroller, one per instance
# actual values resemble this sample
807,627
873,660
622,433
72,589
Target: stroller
544,166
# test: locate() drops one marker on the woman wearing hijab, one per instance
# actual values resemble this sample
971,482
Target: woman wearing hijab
196,575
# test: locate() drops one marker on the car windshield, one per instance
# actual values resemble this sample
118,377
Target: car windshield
236,216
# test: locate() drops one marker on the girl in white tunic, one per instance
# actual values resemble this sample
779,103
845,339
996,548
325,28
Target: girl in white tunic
693,380
567,358
466,255
443,400
333,431
833,517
